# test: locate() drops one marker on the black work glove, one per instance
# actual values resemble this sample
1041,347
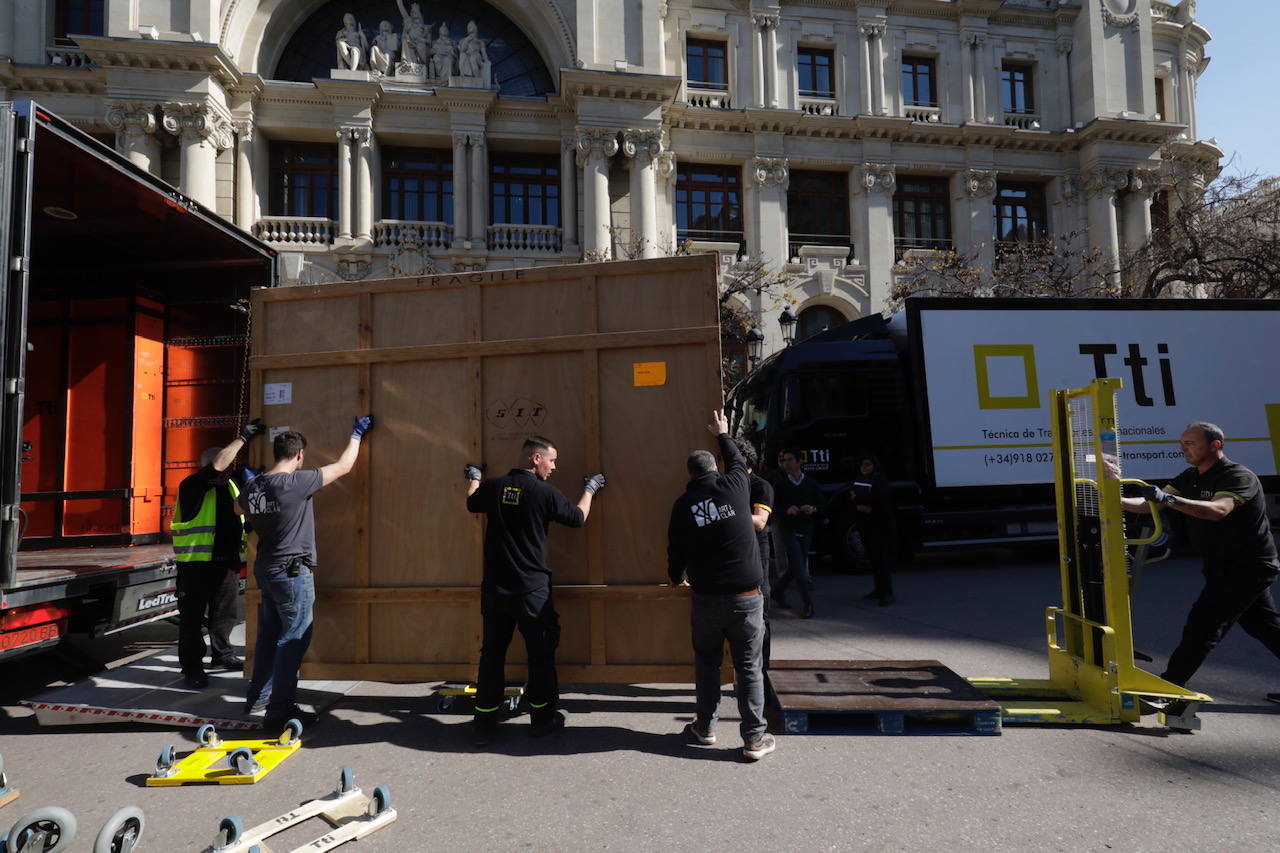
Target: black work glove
360,426
252,429
593,484
1158,495
473,472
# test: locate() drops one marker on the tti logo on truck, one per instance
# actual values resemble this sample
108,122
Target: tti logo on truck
1007,377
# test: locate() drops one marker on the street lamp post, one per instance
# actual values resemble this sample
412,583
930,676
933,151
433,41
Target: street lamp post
755,344
788,323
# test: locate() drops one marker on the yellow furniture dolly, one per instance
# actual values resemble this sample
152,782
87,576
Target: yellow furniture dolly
247,761
446,694
352,815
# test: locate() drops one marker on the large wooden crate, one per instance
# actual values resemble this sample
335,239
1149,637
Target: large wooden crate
618,363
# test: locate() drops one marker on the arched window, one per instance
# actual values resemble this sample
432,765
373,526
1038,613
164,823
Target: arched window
818,318
518,69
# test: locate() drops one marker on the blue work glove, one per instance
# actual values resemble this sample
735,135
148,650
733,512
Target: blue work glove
1158,495
593,483
360,426
473,472
252,429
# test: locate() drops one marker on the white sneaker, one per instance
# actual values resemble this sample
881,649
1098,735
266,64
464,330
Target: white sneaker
706,737
761,748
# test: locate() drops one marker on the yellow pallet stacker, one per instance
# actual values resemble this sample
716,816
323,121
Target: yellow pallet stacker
247,761
1093,679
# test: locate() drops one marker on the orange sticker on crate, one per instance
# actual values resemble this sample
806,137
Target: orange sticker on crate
645,373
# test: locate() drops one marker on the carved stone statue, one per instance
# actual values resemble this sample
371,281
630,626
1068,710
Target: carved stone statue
386,44
352,45
442,54
414,36
473,59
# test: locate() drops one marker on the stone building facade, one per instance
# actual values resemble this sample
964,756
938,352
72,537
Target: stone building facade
826,137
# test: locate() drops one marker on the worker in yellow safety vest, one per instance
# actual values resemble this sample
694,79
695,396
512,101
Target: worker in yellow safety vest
209,541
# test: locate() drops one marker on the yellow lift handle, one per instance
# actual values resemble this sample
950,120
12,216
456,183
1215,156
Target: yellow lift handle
1155,516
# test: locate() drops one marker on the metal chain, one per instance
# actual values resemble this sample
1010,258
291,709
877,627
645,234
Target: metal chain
242,406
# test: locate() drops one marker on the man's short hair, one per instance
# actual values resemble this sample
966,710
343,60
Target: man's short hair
789,451
748,451
537,444
701,462
288,444
1211,432
210,454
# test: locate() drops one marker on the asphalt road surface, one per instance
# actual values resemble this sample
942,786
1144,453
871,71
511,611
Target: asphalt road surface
621,777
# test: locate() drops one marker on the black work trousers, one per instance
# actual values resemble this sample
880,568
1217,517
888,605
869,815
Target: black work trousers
206,592
535,615
881,548
1232,593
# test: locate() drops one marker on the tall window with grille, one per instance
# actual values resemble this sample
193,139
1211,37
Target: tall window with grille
706,63
1016,87
1019,213
921,215
524,189
78,17
417,185
817,210
709,203
814,66
304,179
918,76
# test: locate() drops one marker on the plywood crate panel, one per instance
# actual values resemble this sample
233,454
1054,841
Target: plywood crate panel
462,368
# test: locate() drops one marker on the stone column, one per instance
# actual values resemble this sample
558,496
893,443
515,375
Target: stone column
643,147
201,134
875,60
344,182
568,196
769,177
768,25
876,185
361,139
966,74
479,189
757,64
1065,45
1186,95
595,146
1101,186
977,77
666,170
245,212
1143,184
135,126
461,190
980,188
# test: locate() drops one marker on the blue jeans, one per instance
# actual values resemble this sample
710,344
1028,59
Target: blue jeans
284,633
740,620
797,548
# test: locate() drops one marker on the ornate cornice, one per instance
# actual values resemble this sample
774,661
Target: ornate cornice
878,178
980,183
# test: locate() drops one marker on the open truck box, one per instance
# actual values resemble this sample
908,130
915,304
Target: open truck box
125,339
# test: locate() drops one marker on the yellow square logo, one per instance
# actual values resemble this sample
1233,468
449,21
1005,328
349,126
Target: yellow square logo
511,495
982,356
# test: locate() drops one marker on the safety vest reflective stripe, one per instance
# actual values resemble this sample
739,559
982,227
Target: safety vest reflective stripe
486,710
193,539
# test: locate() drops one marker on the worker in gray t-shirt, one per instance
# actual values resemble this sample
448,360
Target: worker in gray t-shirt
278,505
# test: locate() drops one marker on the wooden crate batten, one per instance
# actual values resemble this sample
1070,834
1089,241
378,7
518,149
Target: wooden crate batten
462,368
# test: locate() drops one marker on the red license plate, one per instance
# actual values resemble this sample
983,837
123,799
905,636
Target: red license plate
30,636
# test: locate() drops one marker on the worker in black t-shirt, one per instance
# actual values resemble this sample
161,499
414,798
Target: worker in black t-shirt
1228,526
516,591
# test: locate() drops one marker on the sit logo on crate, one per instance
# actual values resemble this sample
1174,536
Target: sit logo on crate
511,495
706,512
519,413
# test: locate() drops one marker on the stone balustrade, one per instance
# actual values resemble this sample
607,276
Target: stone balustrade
524,238
925,113
67,57
819,106
1022,121
708,99
295,230
396,233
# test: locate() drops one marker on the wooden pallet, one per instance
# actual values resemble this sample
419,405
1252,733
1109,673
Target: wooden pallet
878,696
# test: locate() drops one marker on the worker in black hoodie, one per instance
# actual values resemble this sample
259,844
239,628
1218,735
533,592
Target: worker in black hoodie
711,546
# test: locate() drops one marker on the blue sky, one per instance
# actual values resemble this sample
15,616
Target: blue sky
1237,100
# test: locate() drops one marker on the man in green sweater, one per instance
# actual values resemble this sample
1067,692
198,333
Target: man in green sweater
796,498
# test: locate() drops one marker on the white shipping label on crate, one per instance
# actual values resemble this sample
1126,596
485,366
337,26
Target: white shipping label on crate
276,430
277,393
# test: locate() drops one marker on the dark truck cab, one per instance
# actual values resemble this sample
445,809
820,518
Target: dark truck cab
123,356
854,390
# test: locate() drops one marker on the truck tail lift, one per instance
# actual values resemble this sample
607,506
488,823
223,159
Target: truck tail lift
1092,676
